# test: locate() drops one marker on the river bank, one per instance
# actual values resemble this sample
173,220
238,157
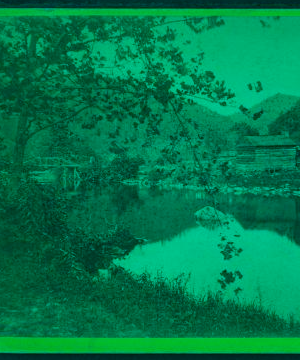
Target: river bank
285,190
285,183
42,303
43,294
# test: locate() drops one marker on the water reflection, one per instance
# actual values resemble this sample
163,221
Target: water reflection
269,264
124,198
266,225
277,214
161,215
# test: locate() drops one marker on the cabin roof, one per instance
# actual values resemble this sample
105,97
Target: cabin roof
266,141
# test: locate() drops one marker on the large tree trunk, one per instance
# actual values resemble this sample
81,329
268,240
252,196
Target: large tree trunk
17,167
19,152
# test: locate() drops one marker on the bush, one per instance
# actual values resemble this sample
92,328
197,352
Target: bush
155,175
40,209
94,173
96,251
124,167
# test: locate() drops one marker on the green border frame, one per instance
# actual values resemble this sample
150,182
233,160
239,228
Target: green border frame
149,345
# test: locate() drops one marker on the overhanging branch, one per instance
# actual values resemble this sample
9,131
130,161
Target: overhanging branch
62,120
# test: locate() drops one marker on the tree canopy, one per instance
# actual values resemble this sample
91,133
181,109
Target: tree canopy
91,69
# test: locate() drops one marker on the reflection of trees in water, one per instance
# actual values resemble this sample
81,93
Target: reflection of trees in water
163,214
278,214
296,237
99,207
158,214
123,197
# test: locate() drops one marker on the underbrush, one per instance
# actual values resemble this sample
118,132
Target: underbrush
164,308
69,302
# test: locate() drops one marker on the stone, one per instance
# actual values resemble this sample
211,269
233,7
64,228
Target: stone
210,217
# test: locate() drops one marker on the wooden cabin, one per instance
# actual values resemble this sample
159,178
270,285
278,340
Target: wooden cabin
266,152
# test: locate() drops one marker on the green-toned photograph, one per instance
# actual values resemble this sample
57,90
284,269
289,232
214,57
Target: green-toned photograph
150,176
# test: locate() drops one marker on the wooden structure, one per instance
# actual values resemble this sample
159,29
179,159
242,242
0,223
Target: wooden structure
70,171
266,152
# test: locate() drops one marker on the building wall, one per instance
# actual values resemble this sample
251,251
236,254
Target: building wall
266,159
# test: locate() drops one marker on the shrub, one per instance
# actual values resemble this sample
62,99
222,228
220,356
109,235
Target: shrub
40,209
94,173
155,175
123,167
96,251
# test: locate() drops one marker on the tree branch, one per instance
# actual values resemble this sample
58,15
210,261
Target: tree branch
187,137
61,120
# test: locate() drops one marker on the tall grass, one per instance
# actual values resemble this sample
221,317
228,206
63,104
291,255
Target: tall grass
164,308
67,304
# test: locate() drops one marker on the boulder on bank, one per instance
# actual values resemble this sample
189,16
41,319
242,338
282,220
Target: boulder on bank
210,217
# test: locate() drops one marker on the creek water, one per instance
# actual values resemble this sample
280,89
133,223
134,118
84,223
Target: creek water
267,229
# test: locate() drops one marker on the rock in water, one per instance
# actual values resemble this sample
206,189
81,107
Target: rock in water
210,217
209,213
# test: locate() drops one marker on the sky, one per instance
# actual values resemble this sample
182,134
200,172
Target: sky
243,51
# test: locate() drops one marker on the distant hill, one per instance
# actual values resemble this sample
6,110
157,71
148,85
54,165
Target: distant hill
205,117
273,107
137,141
208,129
214,127
288,121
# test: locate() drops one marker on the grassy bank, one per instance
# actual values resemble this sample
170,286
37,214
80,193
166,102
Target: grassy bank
163,308
38,299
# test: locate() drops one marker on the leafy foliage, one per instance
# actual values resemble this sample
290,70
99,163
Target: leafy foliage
229,277
96,251
157,174
55,71
123,167
40,210
67,145
94,173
